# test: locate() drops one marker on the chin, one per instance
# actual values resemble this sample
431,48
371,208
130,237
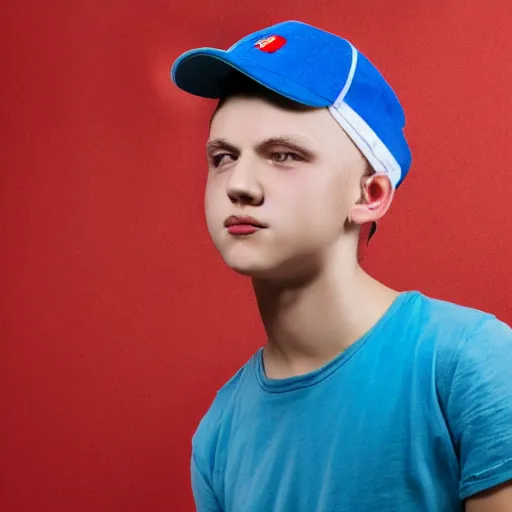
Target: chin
269,270
250,269
264,263
249,263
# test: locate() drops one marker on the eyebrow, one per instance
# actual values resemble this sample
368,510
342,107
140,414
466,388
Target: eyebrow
220,144
291,141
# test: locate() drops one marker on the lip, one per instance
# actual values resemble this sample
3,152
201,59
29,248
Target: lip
242,226
235,220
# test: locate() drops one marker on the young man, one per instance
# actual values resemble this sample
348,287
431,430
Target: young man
363,398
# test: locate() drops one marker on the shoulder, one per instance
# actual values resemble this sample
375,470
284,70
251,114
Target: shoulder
452,337
446,327
462,330
483,362
478,403
471,352
441,314
206,436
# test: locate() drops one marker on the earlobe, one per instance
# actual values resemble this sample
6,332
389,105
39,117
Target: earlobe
377,193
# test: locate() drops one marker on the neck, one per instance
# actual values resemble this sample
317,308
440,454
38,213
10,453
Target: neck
310,323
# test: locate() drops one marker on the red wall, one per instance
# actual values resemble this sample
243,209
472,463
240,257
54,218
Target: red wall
116,322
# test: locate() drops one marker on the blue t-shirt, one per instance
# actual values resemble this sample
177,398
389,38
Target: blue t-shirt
414,416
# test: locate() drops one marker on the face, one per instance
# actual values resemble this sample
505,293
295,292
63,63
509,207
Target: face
280,187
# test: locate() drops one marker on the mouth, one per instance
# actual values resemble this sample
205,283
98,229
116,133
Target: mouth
242,226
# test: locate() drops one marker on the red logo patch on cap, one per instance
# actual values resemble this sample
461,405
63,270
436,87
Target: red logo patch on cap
271,44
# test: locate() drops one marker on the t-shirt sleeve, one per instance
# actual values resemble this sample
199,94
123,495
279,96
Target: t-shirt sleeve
204,496
479,408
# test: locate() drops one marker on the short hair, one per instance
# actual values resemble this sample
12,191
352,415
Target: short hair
238,84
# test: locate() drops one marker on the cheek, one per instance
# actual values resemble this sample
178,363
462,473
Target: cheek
319,204
337,195
338,198
214,200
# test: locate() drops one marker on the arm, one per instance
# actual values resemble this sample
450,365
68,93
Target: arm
479,413
498,499
204,496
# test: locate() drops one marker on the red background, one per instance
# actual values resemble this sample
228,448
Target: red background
118,320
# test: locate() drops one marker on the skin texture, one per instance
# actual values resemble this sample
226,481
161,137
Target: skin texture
304,186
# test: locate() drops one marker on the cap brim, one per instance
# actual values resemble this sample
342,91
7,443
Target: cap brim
201,72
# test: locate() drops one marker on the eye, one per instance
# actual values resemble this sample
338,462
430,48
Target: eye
283,157
220,158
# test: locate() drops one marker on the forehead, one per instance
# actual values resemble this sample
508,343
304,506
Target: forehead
252,117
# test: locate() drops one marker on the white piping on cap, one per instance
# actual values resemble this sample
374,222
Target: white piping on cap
363,136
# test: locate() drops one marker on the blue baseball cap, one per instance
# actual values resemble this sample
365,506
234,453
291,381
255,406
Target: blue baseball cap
316,68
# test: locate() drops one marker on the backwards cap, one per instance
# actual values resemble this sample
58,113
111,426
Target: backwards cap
315,68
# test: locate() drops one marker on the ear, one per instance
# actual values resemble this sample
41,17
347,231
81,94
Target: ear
377,193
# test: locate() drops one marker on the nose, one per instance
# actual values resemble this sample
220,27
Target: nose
244,187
